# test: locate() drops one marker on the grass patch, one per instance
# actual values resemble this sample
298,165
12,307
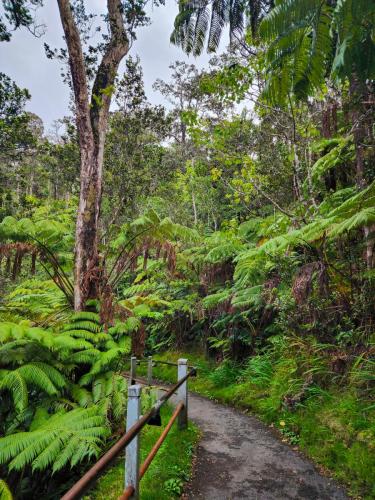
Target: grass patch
335,427
168,472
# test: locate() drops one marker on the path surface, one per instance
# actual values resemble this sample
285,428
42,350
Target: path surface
238,457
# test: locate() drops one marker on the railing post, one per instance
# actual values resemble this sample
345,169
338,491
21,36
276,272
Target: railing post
133,369
149,371
132,450
182,393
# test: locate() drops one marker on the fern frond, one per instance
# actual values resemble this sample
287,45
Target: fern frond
70,343
340,153
365,217
81,395
87,356
130,325
90,326
36,374
248,297
50,444
81,334
213,300
16,385
105,360
5,493
85,316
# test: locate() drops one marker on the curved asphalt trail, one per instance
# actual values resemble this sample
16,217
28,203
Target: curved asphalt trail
238,457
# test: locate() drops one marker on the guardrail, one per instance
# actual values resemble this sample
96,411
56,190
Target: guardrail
130,441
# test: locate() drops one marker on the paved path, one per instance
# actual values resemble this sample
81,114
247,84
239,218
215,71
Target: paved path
240,458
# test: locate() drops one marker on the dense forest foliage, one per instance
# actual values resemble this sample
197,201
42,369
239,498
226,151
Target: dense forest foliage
237,221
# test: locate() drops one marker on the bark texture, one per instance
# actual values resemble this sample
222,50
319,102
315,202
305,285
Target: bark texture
359,94
91,117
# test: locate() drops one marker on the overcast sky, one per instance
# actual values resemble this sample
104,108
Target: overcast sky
24,60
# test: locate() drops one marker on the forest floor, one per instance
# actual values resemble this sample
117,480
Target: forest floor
239,457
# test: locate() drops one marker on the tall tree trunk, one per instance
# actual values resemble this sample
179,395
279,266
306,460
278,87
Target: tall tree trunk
91,118
86,247
195,213
358,93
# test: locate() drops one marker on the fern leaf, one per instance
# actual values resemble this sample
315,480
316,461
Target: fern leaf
364,217
16,385
54,375
81,395
35,374
88,356
86,316
213,300
83,334
248,297
43,447
90,326
5,493
66,342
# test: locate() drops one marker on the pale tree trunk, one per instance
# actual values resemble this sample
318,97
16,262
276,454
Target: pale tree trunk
91,118
194,207
358,93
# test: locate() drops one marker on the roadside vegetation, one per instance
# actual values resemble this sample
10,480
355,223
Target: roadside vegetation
168,472
333,424
235,226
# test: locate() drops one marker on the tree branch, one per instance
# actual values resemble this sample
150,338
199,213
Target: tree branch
77,68
117,48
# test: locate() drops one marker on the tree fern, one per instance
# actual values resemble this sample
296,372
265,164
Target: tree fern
214,299
81,395
5,493
365,217
13,382
303,36
341,152
106,360
126,327
65,438
87,357
355,48
84,321
299,32
80,333
355,212
248,297
40,375
37,300
109,393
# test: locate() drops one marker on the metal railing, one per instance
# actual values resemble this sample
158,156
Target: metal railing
130,441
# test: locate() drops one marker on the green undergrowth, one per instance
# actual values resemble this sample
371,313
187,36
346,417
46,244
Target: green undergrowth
168,472
335,426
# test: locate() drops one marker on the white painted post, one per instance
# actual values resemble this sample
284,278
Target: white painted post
133,369
149,371
182,393
132,450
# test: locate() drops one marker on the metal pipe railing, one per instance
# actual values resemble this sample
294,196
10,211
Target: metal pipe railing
169,363
77,490
129,491
160,441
